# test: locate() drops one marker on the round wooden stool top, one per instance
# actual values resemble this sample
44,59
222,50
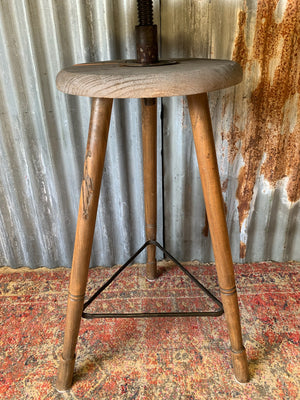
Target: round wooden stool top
114,79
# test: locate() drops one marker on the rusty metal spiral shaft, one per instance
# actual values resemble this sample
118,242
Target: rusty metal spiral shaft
146,34
145,12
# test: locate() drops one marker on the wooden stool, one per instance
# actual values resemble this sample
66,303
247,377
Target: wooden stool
105,81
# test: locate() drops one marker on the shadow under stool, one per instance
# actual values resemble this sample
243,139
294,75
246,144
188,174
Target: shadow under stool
105,81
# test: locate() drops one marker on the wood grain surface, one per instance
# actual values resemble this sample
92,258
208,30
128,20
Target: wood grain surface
112,79
88,204
212,192
149,126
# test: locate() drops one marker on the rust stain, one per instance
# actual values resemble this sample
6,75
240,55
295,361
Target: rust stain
270,141
240,52
225,185
243,248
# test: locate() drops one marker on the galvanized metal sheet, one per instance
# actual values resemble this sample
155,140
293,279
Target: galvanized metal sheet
43,132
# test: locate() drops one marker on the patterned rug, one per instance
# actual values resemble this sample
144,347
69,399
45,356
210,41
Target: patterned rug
156,358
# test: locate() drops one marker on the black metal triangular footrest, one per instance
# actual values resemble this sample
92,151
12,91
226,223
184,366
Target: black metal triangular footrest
216,313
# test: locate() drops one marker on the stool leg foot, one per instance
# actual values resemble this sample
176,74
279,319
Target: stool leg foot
208,167
149,114
240,366
65,374
90,190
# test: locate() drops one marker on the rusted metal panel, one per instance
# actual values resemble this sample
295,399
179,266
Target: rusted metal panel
270,132
43,132
256,125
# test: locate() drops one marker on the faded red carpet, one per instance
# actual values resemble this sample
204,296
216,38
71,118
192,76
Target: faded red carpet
159,358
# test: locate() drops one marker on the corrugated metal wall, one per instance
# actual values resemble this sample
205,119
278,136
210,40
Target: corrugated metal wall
256,127
43,132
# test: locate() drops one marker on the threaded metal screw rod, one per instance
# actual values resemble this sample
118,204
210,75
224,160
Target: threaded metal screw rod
146,34
145,12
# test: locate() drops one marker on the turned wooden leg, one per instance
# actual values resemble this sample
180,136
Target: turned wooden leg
90,189
208,167
149,111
